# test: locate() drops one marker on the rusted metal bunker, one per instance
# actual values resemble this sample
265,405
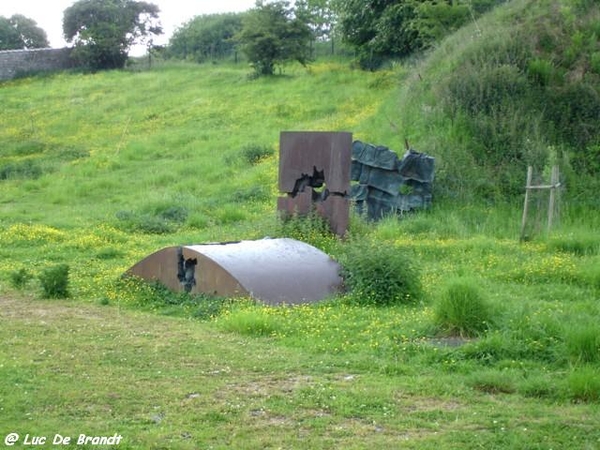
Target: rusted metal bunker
274,271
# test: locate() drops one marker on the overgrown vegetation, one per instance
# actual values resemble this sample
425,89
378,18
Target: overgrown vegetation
504,94
55,281
452,334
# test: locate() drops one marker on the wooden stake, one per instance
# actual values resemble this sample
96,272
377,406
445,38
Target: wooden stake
553,186
526,205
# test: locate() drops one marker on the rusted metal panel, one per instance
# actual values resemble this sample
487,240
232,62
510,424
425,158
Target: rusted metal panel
302,151
274,271
314,173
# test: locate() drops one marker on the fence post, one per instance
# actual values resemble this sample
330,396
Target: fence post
526,205
554,183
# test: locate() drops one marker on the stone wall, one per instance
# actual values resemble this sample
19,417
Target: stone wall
17,62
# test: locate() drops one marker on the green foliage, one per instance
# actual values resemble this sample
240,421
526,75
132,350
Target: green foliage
583,343
511,93
379,274
271,36
311,228
156,297
55,281
22,169
461,309
436,20
582,242
493,381
250,322
384,30
103,31
20,278
206,37
20,32
584,384
253,153
160,220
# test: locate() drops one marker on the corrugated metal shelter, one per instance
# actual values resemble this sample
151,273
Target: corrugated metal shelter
275,271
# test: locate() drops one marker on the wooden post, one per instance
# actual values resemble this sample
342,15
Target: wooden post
554,183
526,205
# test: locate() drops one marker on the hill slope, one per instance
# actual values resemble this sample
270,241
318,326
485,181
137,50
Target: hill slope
183,137
519,87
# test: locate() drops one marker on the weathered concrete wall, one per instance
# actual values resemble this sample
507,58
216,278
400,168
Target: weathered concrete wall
15,62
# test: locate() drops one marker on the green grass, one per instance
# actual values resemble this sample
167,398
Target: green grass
98,171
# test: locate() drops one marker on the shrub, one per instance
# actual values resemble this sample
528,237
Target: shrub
379,274
253,153
461,308
55,281
26,169
19,278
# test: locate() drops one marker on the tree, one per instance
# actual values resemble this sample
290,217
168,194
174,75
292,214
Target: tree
380,29
320,17
206,37
272,35
19,32
103,31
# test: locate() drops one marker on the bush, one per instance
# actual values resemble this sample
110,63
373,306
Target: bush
21,170
19,278
461,309
254,153
379,274
55,281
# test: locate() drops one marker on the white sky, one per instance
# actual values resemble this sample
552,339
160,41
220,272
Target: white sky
49,13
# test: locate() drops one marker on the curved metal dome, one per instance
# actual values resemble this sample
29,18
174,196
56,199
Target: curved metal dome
275,271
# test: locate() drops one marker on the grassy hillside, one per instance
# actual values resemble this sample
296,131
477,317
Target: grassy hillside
520,86
498,348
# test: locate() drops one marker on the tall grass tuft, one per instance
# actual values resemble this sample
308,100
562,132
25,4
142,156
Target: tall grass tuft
462,309
583,343
584,384
255,322
581,243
